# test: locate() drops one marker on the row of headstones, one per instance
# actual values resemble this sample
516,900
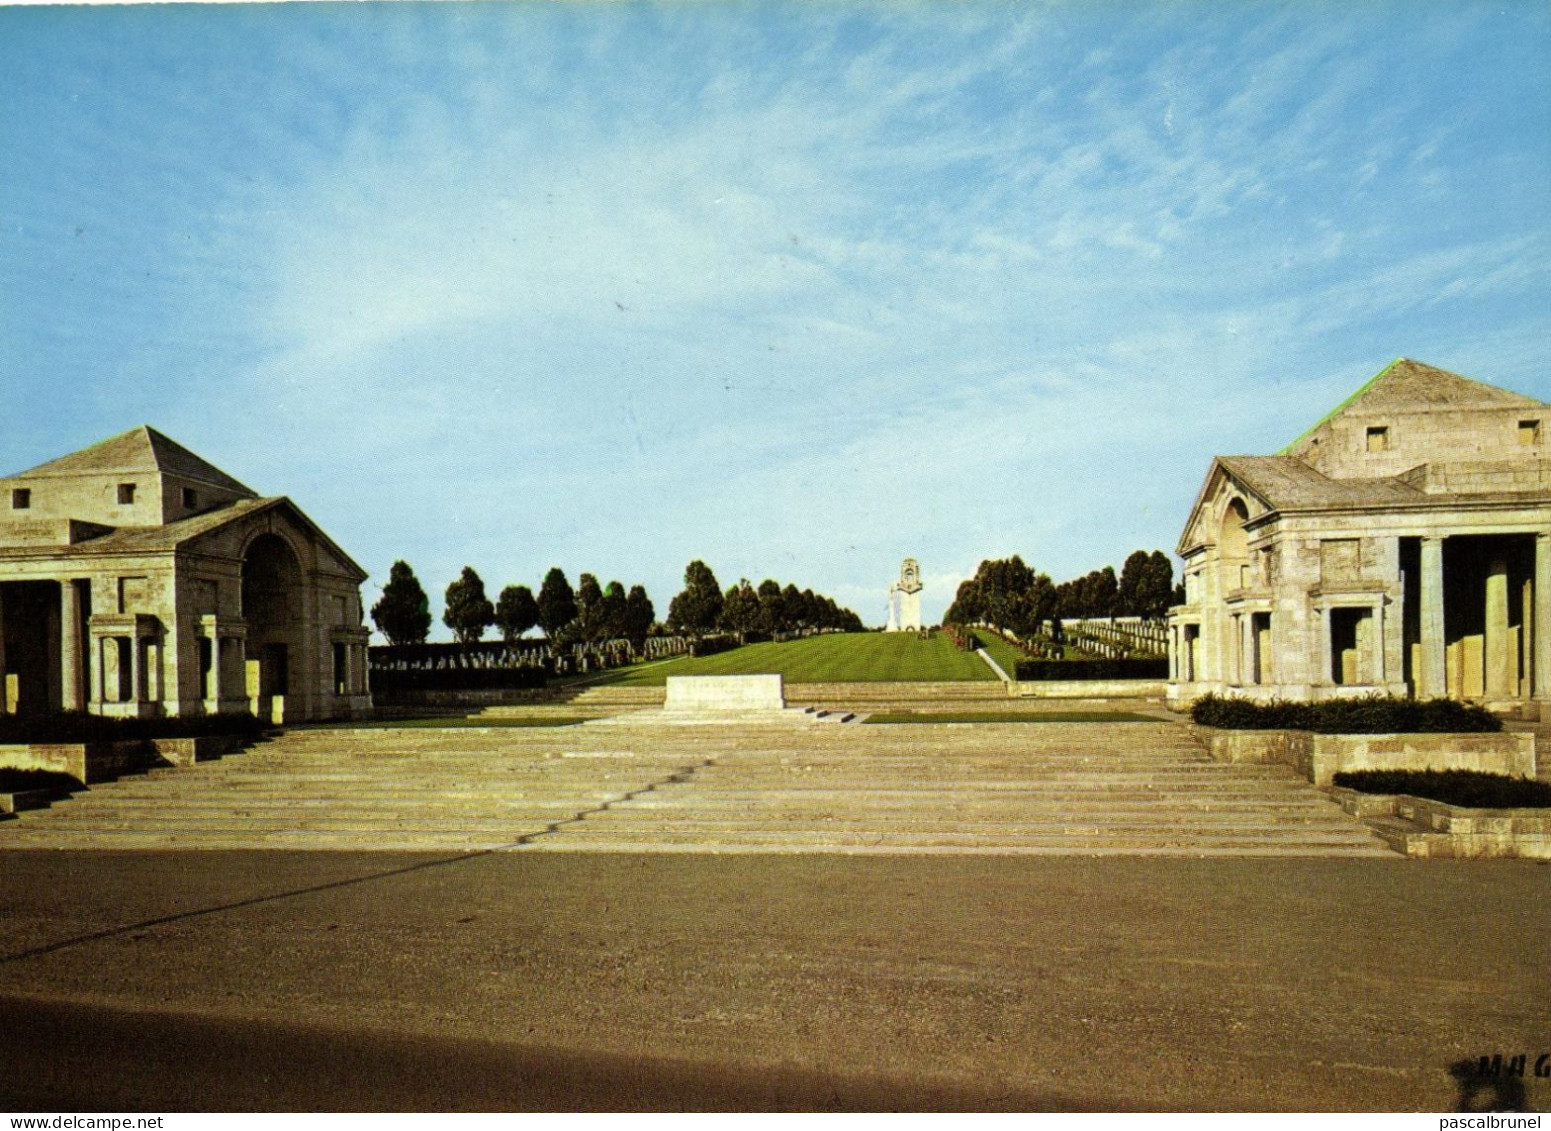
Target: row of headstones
1041,647
1114,639
566,659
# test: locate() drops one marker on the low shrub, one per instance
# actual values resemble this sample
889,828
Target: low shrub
1469,789
75,727
21,781
963,639
711,645
1042,670
1373,714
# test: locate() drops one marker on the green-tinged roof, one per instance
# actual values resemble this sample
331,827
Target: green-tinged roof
1404,385
142,449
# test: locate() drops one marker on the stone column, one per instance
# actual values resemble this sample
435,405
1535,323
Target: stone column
1541,638
136,670
211,691
72,682
1496,643
1431,678
1379,671
6,706
1325,651
99,669
1247,649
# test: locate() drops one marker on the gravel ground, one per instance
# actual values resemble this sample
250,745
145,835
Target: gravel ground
267,981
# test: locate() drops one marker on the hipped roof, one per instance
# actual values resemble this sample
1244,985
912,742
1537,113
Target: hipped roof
141,450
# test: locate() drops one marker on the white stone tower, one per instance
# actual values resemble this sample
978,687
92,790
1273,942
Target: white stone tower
905,598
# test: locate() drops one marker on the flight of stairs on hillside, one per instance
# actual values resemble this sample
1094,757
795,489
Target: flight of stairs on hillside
1117,788
1127,788
587,702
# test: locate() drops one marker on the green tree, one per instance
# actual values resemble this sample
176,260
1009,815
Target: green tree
403,614
968,606
516,611
611,613
772,607
791,609
1157,592
557,604
639,615
698,606
740,609
589,608
469,612
1131,593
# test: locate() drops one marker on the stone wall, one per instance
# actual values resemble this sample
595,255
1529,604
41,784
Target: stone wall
1319,757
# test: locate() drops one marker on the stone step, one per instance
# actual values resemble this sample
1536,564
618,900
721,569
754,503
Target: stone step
601,838
1145,788
1082,847
779,810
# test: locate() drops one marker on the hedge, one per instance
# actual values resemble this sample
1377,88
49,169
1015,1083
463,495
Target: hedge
1469,789
1372,714
711,645
23,781
76,727
390,680
1042,670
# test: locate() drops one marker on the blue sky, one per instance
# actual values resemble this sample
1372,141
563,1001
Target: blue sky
799,289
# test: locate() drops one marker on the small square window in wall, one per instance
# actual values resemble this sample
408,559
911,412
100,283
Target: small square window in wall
21,498
126,494
1378,439
190,499
1529,432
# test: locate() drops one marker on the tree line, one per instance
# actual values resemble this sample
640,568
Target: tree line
588,613
1008,594
592,613
771,609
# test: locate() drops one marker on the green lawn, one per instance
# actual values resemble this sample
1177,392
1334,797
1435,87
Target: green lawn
1001,651
837,658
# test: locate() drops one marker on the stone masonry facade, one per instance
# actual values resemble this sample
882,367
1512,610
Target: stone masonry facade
138,580
1401,546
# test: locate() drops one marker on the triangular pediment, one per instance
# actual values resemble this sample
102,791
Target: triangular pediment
1221,480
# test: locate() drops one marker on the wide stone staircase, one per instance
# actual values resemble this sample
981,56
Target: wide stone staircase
1014,788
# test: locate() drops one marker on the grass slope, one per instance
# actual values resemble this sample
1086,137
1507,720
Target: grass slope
840,658
1001,651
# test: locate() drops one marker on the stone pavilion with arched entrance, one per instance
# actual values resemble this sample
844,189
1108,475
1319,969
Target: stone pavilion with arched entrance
138,580
1402,545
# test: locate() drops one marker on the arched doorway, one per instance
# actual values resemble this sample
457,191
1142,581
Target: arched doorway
1233,574
272,608
1233,543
